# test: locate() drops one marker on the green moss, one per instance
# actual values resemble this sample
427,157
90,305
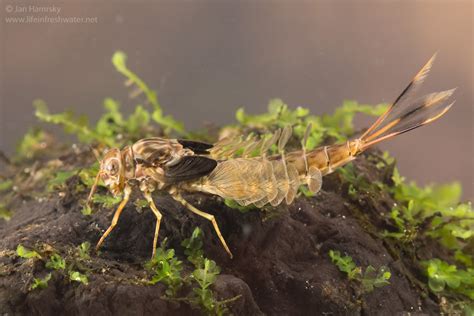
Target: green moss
106,201
112,129
88,175
383,161
445,277
83,251
40,283
70,265
77,276
56,262
339,125
5,213
370,278
233,204
33,142
204,297
358,183
140,204
429,212
436,206
204,276
59,179
6,185
166,268
26,253
168,122
193,248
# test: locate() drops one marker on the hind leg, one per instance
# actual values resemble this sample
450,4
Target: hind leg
207,216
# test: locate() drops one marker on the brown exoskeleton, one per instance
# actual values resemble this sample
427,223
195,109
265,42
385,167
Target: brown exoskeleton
177,166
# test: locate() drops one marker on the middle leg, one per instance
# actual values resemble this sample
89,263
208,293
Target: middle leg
158,215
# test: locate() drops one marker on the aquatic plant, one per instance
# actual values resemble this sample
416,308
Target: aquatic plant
168,270
370,278
55,262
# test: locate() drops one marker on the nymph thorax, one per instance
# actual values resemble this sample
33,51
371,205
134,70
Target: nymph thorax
159,152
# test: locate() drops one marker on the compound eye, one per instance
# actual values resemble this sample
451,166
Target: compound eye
112,167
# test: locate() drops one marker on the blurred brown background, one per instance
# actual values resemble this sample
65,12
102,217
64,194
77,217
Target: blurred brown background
206,58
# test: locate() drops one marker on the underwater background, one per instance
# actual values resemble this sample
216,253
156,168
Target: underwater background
207,58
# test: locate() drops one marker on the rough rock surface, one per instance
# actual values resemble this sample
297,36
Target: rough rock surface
280,267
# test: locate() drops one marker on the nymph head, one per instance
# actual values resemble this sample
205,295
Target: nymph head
111,172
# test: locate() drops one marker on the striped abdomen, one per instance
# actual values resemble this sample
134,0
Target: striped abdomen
257,181
327,158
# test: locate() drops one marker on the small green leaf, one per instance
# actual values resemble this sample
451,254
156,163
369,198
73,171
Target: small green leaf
306,192
397,178
33,142
106,200
60,179
137,120
6,185
111,122
56,262
71,124
78,277
447,195
84,250
240,116
206,275
446,277
26,253
436,285
193,247
345,264
5,213
464,258
234,205
86,210
41,283
166,269
140,204
370,278
88,175
119,60
167,121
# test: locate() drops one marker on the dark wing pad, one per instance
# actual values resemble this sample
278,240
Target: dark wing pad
188,168
198,147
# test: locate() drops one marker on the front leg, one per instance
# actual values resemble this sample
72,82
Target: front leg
116,217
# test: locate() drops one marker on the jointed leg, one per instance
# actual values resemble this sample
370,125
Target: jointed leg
207,216
158,215
93,189
115,219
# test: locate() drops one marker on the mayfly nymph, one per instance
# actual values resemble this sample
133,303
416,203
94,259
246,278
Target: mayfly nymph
176,166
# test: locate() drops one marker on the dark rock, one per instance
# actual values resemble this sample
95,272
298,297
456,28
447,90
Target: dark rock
280,267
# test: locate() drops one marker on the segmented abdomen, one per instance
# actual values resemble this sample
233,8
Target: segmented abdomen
253,181
259,180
